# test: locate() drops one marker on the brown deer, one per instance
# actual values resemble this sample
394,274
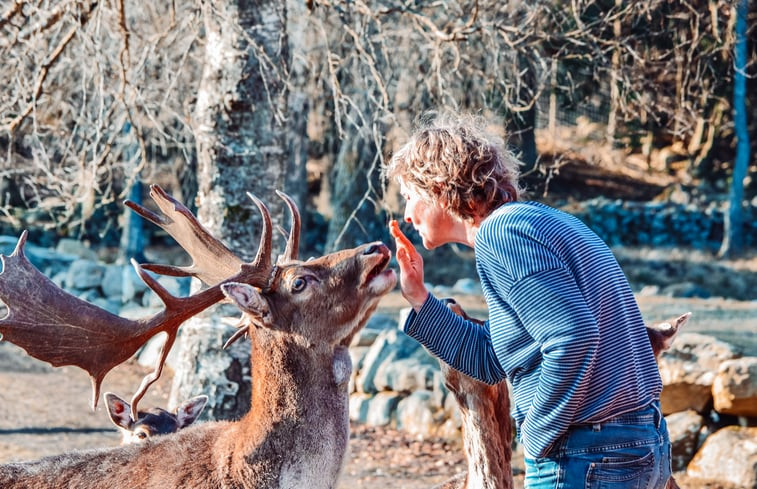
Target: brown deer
154,421
485,411
300,318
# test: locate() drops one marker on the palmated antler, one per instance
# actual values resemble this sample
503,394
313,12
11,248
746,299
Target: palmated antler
54,326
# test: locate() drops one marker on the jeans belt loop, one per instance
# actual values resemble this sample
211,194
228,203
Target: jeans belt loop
658,413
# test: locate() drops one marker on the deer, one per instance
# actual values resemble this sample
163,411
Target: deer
487,429
300,318
154,421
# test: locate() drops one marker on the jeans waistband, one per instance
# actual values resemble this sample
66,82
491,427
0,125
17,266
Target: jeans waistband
649,414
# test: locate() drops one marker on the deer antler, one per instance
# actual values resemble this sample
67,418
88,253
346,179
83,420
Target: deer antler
212,260
54,326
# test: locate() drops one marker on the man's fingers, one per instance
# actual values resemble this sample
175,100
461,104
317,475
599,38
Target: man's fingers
394,230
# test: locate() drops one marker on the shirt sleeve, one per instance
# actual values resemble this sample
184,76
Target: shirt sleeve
554,312
464,345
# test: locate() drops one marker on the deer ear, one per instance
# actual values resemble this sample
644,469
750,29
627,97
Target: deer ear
118,410
190,410
249,300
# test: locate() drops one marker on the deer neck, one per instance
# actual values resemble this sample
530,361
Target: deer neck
288,371
296,396
487,435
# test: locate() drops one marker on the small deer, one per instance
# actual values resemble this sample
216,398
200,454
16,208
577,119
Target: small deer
300,318
486,423
154,421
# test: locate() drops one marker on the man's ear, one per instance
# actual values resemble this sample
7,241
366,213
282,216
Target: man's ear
249,300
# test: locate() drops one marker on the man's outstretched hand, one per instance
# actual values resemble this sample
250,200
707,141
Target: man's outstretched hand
411,268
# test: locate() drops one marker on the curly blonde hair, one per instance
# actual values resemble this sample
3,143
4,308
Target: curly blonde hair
453,159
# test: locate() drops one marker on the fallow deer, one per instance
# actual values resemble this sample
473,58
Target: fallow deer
486,423
300,318
154,421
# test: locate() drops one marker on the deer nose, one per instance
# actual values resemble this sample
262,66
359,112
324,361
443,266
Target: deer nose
373,248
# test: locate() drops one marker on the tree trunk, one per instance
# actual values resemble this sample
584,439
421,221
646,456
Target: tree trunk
732,234
240,119
354,182
240,125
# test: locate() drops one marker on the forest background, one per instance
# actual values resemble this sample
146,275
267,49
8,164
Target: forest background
637,101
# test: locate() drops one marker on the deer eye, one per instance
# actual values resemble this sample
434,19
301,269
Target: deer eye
298,284
141,435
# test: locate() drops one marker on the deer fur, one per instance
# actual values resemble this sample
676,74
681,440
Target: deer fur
154,421
296,432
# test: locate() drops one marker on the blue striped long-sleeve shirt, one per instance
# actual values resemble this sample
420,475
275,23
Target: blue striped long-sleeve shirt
564,326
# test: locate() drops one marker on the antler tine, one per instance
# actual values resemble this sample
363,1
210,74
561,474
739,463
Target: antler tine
293,243
160,291
263,257
19,249
212,261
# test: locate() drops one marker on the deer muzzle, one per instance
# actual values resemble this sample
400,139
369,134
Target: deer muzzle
377,277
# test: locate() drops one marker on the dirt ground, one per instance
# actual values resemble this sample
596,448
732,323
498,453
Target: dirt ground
45,410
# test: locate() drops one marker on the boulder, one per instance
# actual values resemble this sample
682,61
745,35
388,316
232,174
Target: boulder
377,410
688,371
417,414
391,345
112,283
728,455
405,375
684,429
84,274
75,247
735,387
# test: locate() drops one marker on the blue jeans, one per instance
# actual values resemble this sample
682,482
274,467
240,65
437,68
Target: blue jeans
631,451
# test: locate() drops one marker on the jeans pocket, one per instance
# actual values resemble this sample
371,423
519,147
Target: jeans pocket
621,472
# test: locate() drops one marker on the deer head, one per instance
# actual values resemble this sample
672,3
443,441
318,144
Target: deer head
154,421
54,326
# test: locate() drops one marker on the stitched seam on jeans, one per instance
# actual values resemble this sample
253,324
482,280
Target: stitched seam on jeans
651,442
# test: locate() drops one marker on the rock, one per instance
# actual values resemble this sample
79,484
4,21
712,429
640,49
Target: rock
84,274
131,285
377,410
684,429
735,387
415,414
688,371
391,345
112,284
686,290
111,305
405,375
375,325
74,247
467,286
728,455
357,354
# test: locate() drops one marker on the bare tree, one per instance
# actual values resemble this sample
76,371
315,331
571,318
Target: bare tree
94,94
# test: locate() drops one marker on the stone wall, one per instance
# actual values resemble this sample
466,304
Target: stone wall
664,224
